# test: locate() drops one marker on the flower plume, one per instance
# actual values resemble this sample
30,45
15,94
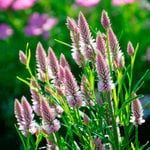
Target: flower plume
27,115
130,49
74,33
22,57
41,61
72,89
48,114
105,20
35,97
137,112
18,110
101,45
63,61
105,83
53,64
86,40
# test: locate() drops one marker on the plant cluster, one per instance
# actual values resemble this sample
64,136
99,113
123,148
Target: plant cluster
98,112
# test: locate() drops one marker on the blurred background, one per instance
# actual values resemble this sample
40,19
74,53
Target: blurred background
30,21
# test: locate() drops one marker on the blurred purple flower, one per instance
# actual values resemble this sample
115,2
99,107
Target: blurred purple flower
39,25
87,3
4,4
5,31
121,2
23,4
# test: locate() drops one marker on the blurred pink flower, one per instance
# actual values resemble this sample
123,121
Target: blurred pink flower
121,2
39,25
5,31
23,4
4,4
16,4
87,3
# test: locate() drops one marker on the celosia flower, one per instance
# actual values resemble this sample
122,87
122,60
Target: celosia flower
22,57
105,83
18,112
27,116
63,61
87,3
113,42
48,114
122,2
86,41
130,49
72,89
22,4
137,112
59,91
85,90
101,45
4,4
24,115
53,64
120,60
39,25
105,20
61,75
41,59
5,31
35,97
114,47
74,33
98,144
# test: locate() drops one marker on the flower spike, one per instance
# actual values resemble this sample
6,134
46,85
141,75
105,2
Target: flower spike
105,21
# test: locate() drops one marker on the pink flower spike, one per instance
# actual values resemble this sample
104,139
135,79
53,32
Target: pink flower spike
22,57
87,3
137,112
113,42
41,59
105,83
101,45
86,40
27,115
105,21
63,61
48,114
130,49
18,110
35,97
72,89
53,63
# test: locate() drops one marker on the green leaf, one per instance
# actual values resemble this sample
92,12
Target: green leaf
132,146
61,42
28,59
38,140
21,137
26,82
141,79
